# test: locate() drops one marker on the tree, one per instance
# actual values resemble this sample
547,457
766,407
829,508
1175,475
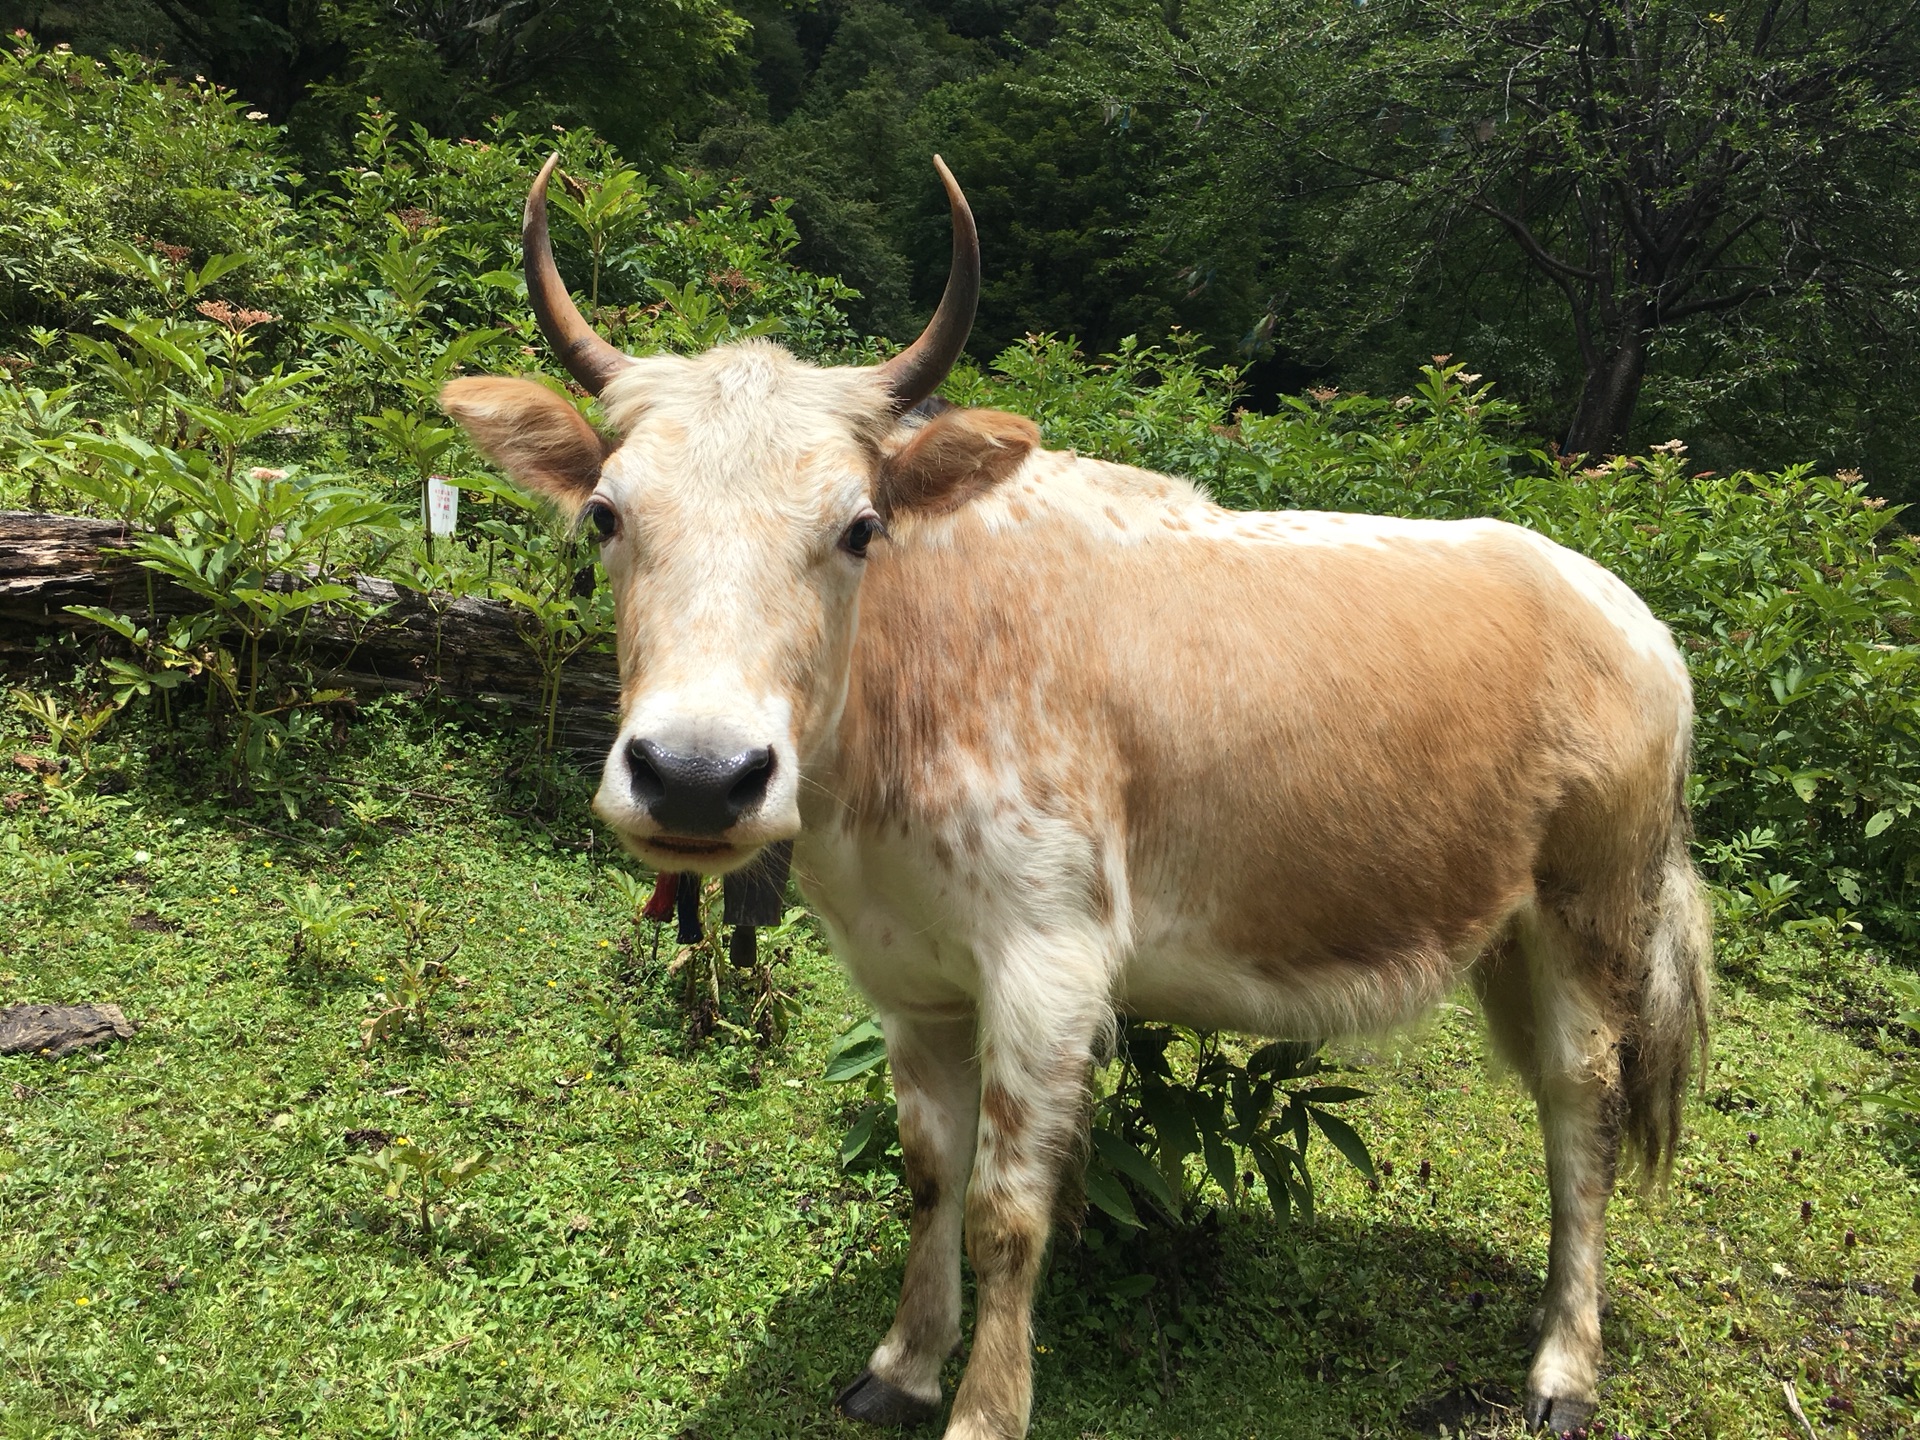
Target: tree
1682,182
851,105
631,68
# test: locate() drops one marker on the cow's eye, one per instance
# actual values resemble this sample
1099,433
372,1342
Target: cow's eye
603,518
860,535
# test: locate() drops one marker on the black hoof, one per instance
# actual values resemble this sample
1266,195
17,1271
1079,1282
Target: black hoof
1566,1419
873,1400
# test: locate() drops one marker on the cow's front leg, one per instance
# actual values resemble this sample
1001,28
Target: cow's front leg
936,1081
1036,1046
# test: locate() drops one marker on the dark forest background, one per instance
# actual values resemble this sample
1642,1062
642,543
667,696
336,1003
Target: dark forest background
1639,220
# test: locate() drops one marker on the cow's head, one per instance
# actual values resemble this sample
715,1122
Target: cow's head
736,510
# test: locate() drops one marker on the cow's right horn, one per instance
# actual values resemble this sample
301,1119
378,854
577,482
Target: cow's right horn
916,372
588,358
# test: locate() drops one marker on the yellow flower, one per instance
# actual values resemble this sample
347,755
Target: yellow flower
81,1300
401,1140
605,943
267,863
233,889
378,978
549,984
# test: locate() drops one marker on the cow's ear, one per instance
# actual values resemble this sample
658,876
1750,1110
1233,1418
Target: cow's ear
532,434
952,458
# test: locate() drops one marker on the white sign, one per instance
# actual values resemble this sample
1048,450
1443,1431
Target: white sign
443,505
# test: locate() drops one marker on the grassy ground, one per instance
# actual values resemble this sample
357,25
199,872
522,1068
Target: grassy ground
670,1247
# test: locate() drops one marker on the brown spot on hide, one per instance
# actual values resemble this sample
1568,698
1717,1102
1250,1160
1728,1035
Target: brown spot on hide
923,1187
1005,1111
1000,1247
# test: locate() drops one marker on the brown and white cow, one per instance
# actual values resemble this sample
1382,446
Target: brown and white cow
1058,738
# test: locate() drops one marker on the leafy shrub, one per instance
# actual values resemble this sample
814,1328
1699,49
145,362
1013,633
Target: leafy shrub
1182,1095
420,245
103,155
221,431
259,547
1178,1096
1157,406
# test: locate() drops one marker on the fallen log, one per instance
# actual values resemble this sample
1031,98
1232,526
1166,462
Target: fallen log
454,645
51,1031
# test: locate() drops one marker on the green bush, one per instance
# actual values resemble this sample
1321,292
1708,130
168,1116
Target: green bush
103,155
248,371
1793,595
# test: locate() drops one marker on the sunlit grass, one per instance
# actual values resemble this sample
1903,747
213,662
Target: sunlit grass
669,1247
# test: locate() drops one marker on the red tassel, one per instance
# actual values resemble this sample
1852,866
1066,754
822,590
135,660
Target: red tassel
660,905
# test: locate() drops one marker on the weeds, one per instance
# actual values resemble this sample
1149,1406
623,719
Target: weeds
409,1171
319,918
71,732
403,1007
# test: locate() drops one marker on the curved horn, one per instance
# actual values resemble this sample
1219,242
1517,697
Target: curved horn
916,372
588,358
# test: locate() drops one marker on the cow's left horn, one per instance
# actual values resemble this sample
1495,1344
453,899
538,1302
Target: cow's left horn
916,372
588,358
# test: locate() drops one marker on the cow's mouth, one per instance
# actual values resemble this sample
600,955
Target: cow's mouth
685,845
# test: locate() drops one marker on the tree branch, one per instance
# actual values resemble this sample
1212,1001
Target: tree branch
1716,303
1530,243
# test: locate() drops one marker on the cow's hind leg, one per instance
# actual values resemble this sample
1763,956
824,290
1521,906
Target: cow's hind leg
1549,1010
936,1081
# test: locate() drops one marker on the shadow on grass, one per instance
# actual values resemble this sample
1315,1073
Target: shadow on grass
1246,1330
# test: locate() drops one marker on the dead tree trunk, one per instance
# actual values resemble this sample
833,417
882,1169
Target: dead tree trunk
417,643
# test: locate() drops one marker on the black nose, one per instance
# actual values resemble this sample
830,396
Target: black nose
697,794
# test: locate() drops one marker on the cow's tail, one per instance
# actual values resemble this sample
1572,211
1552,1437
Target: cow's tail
1669,1011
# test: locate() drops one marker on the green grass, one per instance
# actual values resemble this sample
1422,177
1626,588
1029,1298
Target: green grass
671,1249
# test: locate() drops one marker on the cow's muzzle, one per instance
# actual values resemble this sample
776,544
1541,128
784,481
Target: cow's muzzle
697,794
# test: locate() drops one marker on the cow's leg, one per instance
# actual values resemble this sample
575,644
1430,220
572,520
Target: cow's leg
936,1080
1039,1023
1576,1077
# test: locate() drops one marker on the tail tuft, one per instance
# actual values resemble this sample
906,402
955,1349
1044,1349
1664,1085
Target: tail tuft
1671,1019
